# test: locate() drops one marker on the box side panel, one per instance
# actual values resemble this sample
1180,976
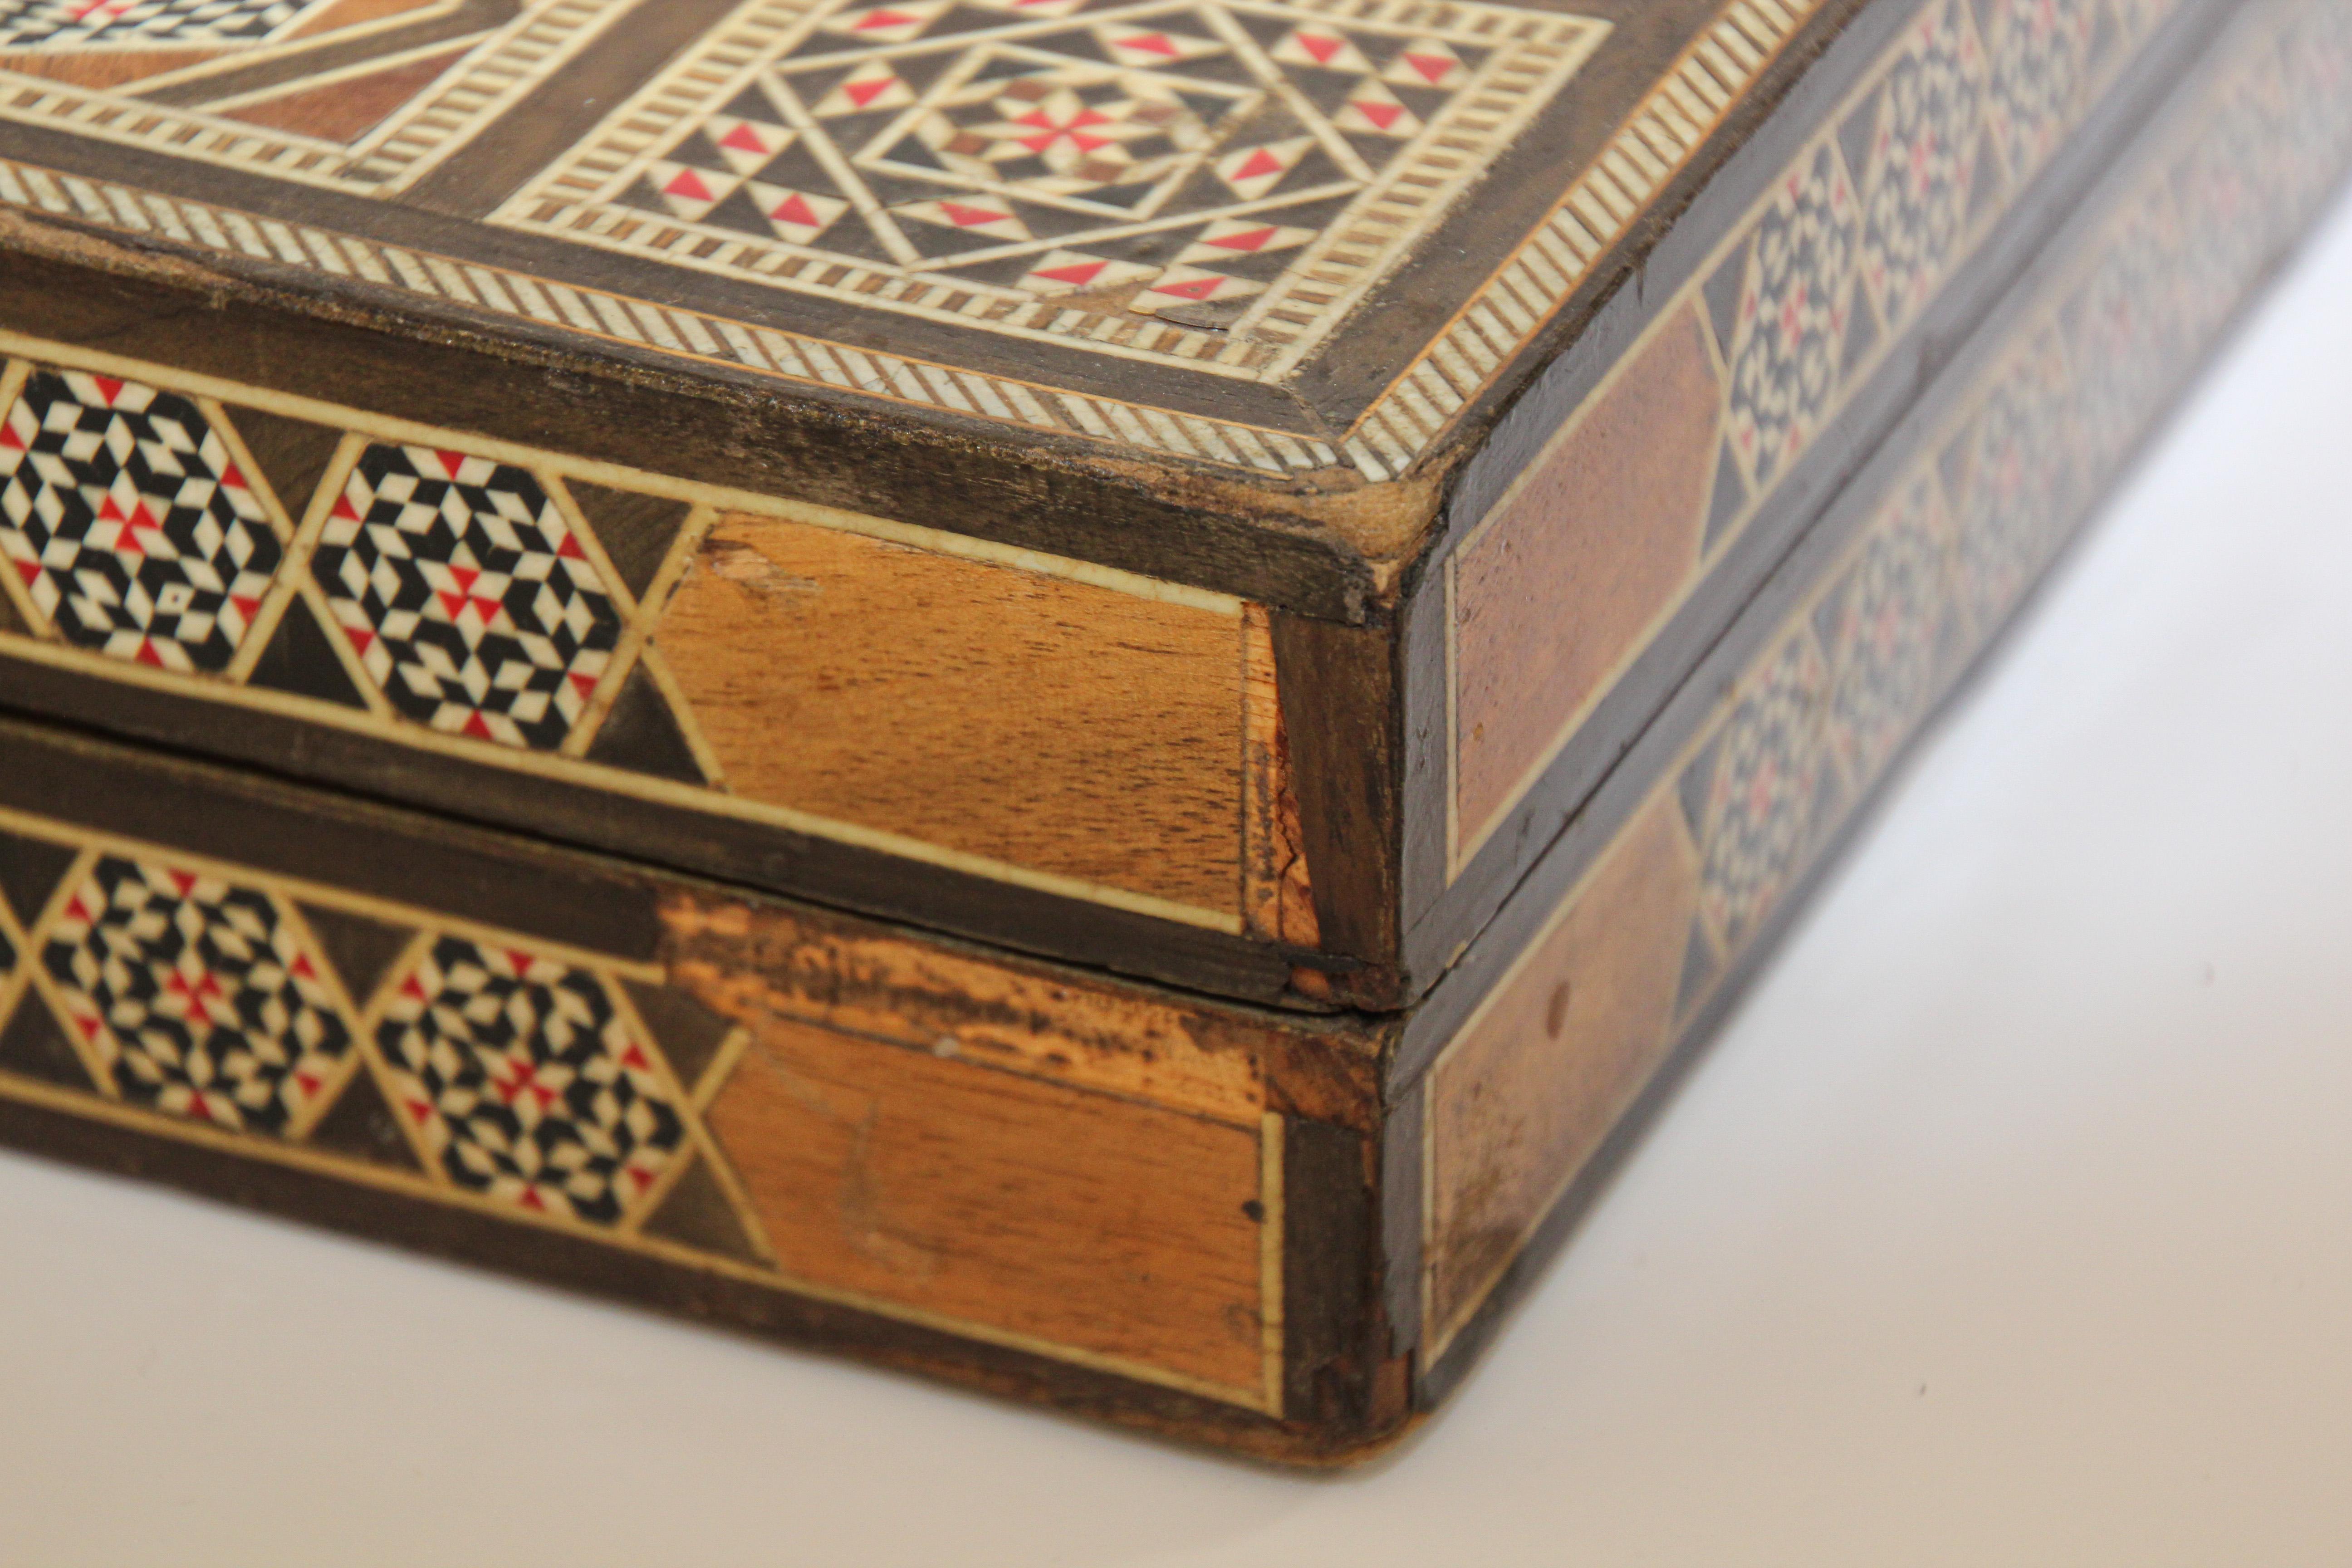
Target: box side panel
1801,713
789,1121
1772,348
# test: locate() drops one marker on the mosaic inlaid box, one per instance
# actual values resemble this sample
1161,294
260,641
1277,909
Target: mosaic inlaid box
1084,695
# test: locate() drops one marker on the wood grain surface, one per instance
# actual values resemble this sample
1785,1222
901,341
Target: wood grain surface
1081,1219
1005,713
1536,1080
1598,538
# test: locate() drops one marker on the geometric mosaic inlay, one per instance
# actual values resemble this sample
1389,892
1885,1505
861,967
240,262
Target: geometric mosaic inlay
521,1079
1768,768
466,596
1175,158
197,996
130,527
1923,161
1793,309
73,24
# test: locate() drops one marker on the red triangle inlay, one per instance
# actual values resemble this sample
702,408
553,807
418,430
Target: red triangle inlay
478,727
10,439
1151,43
1261,162
635,1056
30,571
963,216
88,1027
1076,272
307,1082
249,608
233,479
570,550
451,462
795,209
1432,68
419,1110
147,654
685,183
183,880
743,139
862,93
1320,47
1381,114
108,388
1252,240
359,640
872,19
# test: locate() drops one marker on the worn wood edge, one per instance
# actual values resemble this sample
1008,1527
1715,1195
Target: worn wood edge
1340,712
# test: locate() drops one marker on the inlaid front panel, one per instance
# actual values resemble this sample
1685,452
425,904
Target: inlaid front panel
993,712
1079,1173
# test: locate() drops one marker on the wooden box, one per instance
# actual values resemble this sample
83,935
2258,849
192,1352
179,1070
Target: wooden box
1083,695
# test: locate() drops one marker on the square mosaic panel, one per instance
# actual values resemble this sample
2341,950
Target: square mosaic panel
1227,163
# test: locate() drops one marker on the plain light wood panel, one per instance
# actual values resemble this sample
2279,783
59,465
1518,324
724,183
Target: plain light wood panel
1083,1220
1576,561
1541,1073
1053,724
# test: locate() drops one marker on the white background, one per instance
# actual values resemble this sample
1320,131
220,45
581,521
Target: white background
2010,1222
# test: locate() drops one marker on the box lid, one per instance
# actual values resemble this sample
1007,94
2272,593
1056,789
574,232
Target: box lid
1204,289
